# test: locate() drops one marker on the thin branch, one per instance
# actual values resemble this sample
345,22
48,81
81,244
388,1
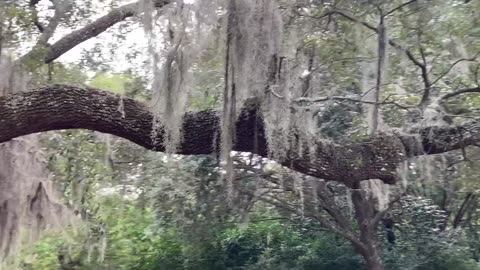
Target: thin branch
32,5
373,88
400,7
426,80
323,99
272,90
323,221
61,9
353,19
259,220
422,54
343,14
461,92
375,29
407,52
457,221
452,66
422,66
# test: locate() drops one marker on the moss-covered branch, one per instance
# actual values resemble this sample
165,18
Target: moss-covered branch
69,107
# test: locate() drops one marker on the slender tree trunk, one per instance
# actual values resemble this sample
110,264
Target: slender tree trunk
365,215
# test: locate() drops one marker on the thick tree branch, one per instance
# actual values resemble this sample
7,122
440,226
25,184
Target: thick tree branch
29,61
95,28
68,107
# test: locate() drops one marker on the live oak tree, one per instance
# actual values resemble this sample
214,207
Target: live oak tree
406,72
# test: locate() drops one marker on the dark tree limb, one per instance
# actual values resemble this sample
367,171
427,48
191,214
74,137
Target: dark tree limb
41,46
459,217
69,107
400,7
95,28
426,80
461,92
453,65
32,5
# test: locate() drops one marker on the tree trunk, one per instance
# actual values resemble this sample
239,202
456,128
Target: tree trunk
27,204
374,263
27,201
366,217
371,254
369,249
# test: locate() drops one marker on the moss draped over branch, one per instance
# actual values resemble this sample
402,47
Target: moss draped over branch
70,107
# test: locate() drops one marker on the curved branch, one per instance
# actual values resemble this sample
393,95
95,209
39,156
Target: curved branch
95,28
452,66
69,107
461,92
399,7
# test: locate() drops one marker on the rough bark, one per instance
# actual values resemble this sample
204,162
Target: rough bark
371,255
69,107
367,244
